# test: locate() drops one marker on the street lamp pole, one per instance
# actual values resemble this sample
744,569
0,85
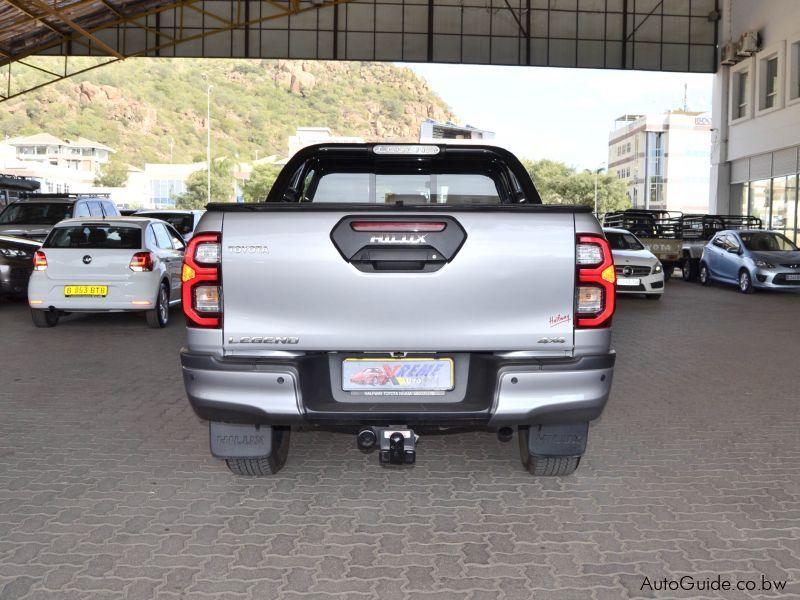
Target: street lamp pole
596,173
208,142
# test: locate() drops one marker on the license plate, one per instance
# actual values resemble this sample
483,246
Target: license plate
622,281
793,277
86,290
397,376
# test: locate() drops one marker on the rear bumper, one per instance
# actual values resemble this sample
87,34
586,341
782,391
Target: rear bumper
493,392
123,295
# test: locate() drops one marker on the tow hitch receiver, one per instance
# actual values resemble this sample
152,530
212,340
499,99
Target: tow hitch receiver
397,445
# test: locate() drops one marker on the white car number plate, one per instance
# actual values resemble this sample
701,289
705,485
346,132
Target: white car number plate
793,277
397,377
622,281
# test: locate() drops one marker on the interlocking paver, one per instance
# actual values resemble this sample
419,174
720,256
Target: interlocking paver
107,490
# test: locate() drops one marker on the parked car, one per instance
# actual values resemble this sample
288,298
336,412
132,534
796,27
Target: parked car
751,259
34,216
438,265
658,230
698,229
16,264
117,264
638,269
184,221
13,187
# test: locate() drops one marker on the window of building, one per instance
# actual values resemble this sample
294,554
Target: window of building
793,79
741,94
760,199
770,79
771,91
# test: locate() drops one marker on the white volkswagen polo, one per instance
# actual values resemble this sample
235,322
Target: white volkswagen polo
114,264
638,269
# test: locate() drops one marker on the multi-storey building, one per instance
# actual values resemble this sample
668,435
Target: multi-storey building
663,159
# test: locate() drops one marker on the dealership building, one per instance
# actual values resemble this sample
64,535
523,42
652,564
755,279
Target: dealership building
756,107
663,159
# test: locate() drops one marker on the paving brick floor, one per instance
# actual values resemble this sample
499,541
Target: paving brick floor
107,489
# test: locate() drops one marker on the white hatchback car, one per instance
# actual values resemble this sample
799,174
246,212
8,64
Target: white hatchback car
107,265
638,269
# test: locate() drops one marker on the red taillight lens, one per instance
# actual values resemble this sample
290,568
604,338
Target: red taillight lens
201,294
141,261
595,296
392,226
39,261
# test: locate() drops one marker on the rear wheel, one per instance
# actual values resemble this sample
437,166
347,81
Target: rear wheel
745,282
689,269
44,318
269,465
159,316
545,466
704,276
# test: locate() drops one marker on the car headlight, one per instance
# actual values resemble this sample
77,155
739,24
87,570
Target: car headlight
763,264
657,268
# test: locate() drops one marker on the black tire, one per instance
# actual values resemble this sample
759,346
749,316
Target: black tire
746,282
653,296
545,466
260,467
689,269
44,318
703,275
159,316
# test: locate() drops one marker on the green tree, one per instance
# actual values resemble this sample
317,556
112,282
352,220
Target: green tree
112,174
559,183
261,180
196,195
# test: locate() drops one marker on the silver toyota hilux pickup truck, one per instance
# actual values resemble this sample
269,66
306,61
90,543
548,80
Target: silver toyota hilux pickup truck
387,290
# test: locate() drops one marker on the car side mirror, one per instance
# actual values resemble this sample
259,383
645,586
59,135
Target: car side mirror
734,250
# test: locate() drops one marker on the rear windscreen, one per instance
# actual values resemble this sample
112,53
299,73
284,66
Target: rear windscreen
182,222
36,213
95,236
466,181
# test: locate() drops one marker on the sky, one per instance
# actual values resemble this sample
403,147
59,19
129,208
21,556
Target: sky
560,114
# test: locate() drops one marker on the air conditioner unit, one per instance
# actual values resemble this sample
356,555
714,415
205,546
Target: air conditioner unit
728,54
748,44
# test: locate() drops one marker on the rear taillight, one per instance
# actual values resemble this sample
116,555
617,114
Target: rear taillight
595,298
39,261
202,284
141,261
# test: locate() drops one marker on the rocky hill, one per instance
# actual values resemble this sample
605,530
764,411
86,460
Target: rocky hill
143,107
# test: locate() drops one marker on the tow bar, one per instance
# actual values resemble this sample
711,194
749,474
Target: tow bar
397,445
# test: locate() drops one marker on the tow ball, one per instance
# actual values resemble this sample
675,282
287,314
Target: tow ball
396,445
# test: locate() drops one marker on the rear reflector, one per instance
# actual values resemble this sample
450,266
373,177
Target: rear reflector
39,261
409,226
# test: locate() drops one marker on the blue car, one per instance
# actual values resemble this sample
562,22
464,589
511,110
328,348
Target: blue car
750,259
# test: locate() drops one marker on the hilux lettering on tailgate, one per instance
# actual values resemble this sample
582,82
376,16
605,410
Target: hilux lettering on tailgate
397,239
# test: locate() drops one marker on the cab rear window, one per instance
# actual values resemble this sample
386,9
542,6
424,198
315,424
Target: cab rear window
95,236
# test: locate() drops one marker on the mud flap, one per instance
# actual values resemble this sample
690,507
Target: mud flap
229,440
558,440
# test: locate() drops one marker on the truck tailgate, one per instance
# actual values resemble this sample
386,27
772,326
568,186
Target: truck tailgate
288,285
